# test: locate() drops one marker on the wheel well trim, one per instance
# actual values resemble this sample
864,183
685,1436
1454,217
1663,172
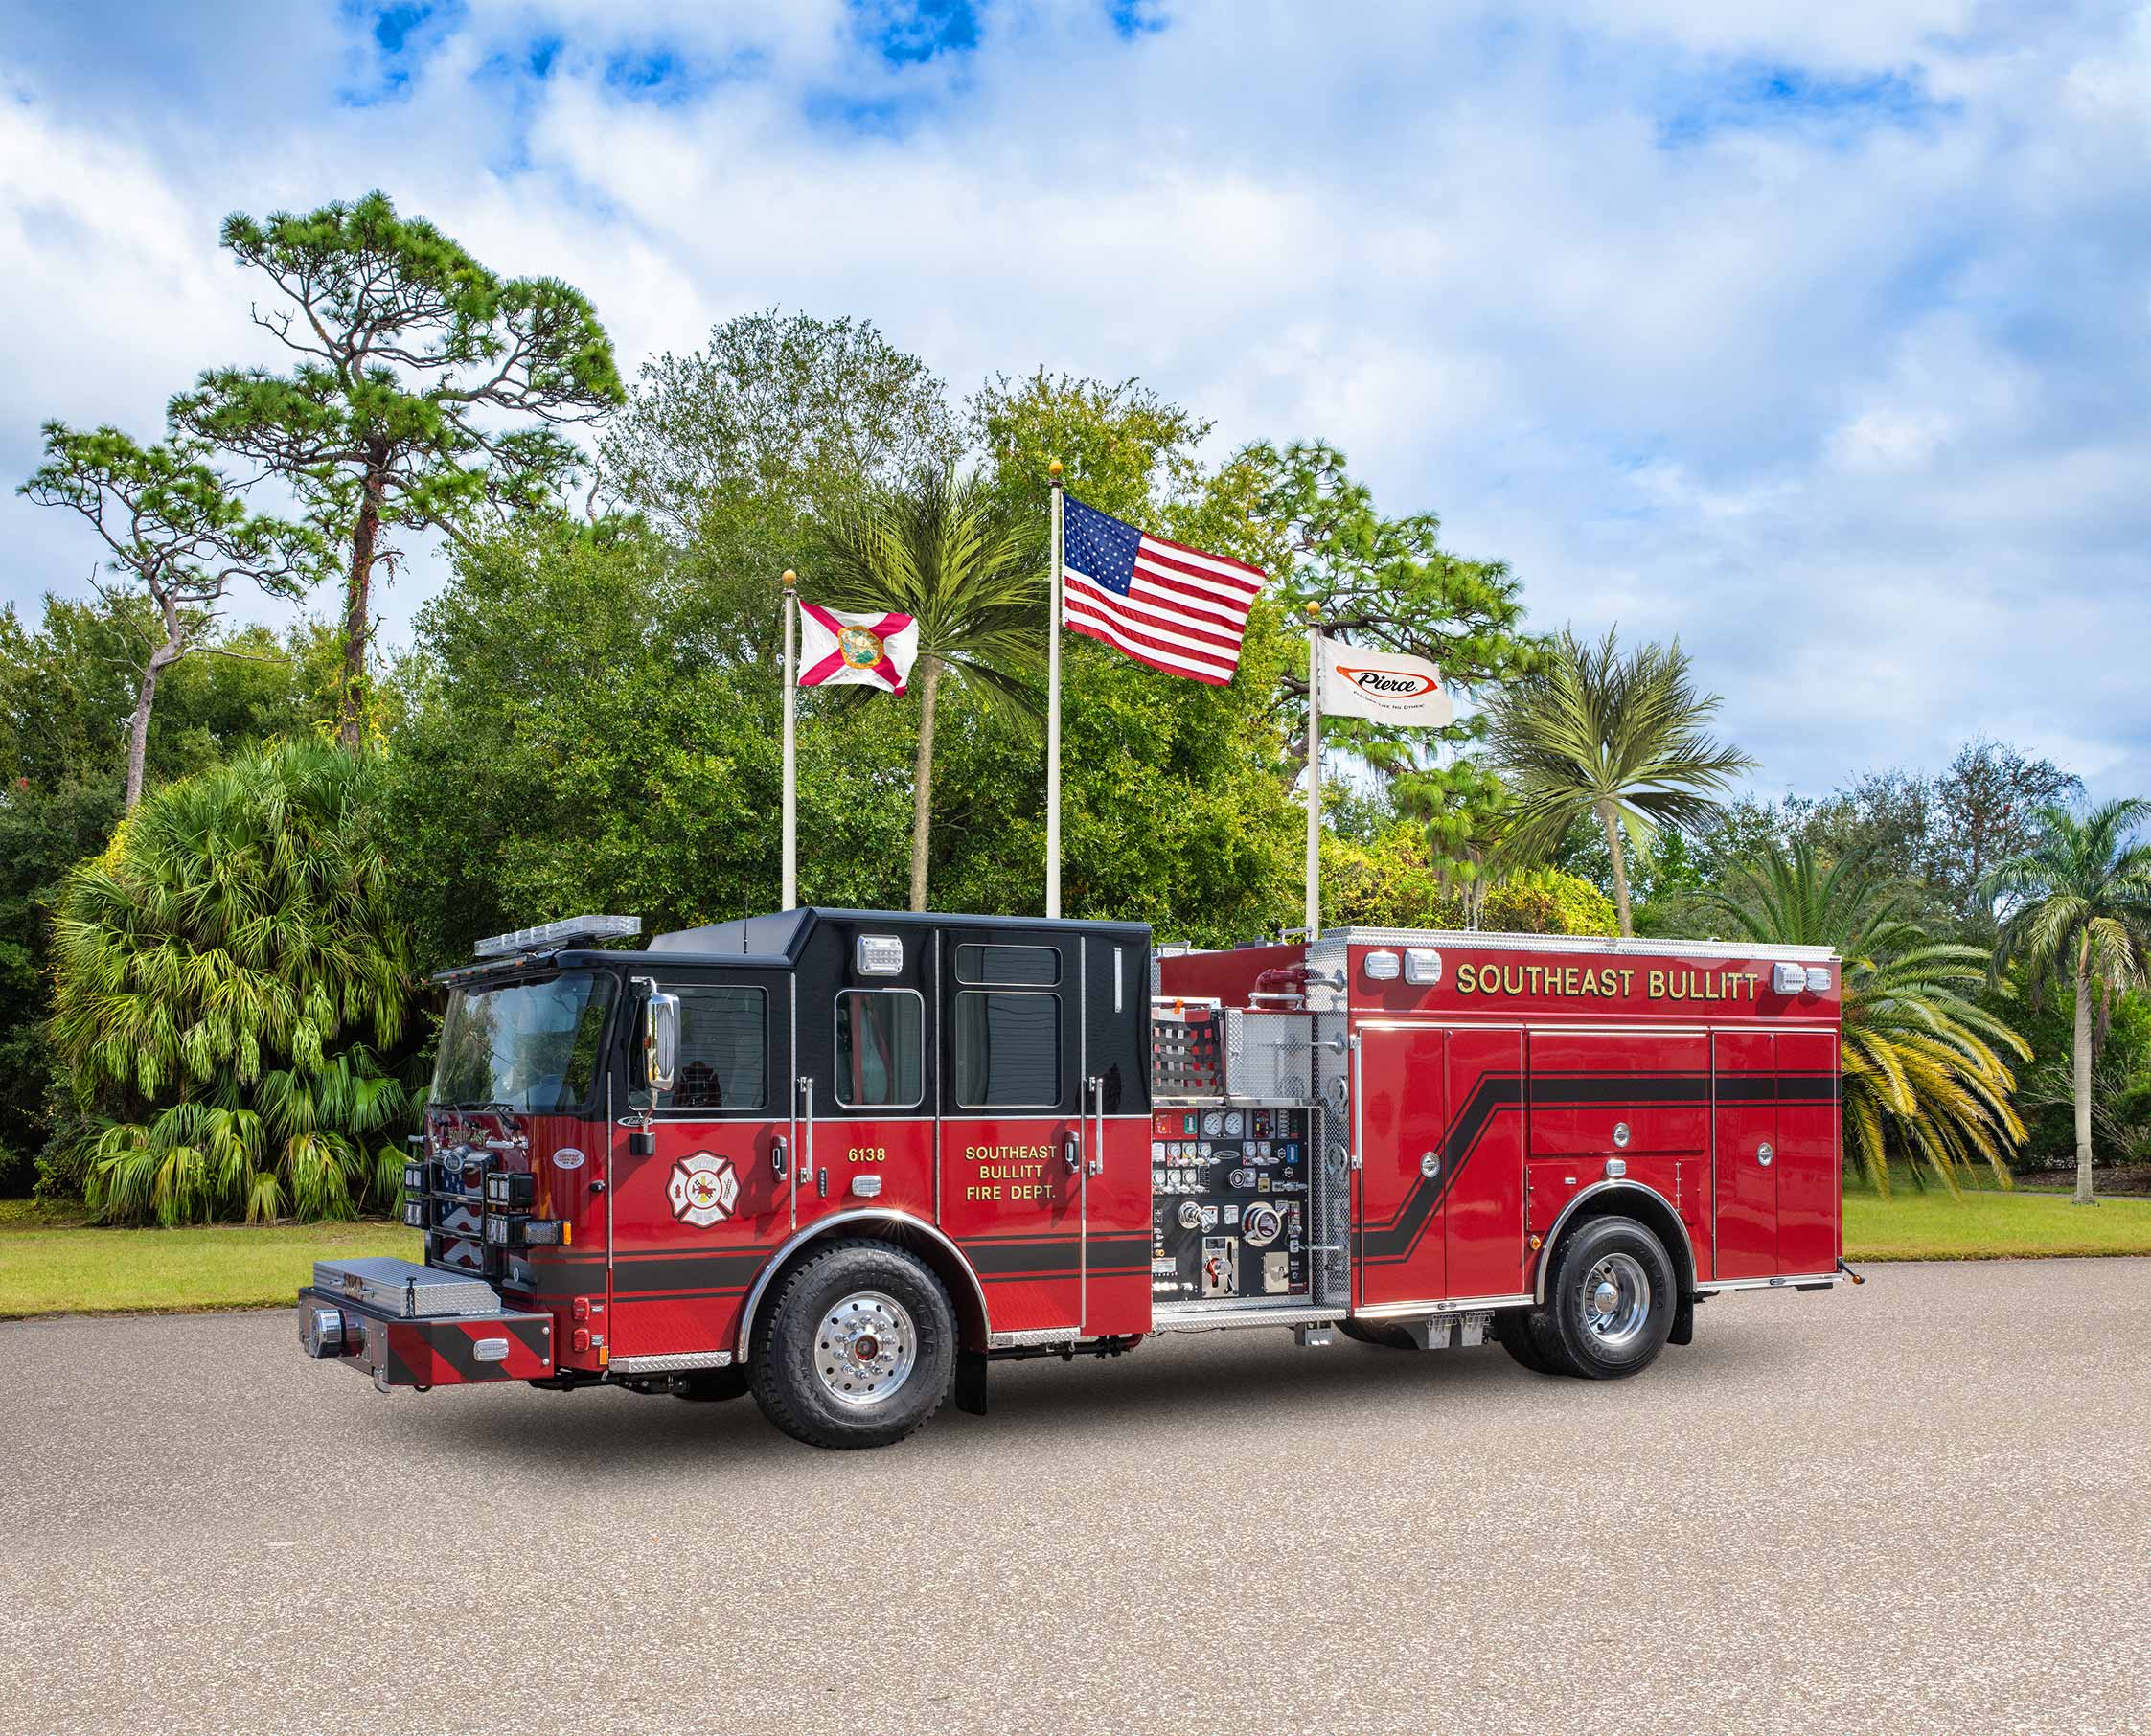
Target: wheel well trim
822,1226
1611,1185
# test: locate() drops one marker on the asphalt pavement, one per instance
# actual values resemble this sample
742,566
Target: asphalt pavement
1920,1506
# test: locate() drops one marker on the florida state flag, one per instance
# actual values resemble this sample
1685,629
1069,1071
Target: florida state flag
866,650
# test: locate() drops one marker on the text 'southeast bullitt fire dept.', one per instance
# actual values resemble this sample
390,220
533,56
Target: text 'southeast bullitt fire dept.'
848,1161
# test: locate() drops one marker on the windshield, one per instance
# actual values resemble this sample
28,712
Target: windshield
530,1045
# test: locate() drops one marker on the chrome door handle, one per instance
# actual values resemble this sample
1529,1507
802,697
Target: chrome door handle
1098,1118
1071,1155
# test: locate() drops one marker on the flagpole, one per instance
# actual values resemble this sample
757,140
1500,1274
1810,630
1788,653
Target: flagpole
791,899
1313,770
1053,711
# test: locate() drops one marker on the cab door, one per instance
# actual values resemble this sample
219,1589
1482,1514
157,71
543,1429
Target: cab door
695,1214
1013,1112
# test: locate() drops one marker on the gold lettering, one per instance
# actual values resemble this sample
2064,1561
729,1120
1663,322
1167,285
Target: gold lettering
1467,978
1516,986
1627,978
1489,980
1534,972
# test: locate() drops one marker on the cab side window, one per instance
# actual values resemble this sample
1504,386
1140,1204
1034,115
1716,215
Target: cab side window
724,1048
881,1048
1008,1050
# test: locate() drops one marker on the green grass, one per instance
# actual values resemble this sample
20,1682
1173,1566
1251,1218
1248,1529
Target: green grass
1988,1224
53,1265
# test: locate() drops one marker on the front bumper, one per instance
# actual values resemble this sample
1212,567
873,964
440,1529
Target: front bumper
450,1350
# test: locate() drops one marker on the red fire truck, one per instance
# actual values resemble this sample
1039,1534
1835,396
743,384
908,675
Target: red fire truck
846,1161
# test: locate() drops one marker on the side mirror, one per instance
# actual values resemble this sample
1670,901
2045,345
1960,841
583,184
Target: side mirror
660,1040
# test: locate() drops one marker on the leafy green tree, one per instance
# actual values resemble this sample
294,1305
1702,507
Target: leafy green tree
2078,908
1919,1059
945,553
735,449
576,736
1395,880
1621,738
426,390
217,975
171,526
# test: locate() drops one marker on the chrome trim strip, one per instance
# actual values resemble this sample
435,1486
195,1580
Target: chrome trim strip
671,1361
1625,1184
834,1220
1042,1335
1466,1305
1812,1278
1202,1318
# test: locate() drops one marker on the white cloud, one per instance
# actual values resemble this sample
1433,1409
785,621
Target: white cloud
1815,335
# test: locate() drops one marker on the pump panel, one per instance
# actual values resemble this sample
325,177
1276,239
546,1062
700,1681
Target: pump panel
1231,1213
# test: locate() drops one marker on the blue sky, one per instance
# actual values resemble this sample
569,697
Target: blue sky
1819,335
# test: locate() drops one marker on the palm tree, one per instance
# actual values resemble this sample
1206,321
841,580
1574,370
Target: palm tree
944,551
215,973
2079,910
1622,738
1918,1054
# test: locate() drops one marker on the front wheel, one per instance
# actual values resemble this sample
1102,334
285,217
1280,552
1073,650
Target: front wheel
1611,1301
859,1349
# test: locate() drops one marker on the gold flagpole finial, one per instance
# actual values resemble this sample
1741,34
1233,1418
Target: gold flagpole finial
1314,611
1053,468
790,578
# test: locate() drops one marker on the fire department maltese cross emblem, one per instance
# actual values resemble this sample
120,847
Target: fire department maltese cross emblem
703,1190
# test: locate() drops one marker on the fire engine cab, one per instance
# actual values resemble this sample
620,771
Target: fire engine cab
848,1159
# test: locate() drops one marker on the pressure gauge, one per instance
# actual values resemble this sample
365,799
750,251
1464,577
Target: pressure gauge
1235,1123
1213,1124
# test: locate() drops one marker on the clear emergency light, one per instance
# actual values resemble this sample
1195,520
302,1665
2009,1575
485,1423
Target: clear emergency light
557,934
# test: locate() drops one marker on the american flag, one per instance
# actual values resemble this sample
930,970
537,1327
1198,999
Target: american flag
1163,604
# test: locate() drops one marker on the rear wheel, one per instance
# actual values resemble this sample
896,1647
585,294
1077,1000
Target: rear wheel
1512,1326
1611,1301
858,1350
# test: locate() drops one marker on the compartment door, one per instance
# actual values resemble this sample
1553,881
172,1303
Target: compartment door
1401,1251
1744,1128
1482,1164
1809,1189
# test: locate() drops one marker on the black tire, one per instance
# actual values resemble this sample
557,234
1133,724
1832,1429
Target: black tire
1624,1336
1513,1327
711,1385
1387,1338
900,1305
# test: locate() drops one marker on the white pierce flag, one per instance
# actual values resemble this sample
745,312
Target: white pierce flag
1382,686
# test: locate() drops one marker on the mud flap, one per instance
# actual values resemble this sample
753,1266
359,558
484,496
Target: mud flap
1683,1323
970,1382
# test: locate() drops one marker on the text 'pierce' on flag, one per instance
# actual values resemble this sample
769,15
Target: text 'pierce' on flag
838,649
1163,604
1386,687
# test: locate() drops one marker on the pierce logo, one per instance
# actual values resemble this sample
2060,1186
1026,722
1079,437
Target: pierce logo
1390,683
703,1189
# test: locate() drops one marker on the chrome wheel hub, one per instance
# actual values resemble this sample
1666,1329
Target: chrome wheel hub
865,1348
1616,1299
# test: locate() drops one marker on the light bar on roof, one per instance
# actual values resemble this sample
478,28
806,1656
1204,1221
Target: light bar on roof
557,934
